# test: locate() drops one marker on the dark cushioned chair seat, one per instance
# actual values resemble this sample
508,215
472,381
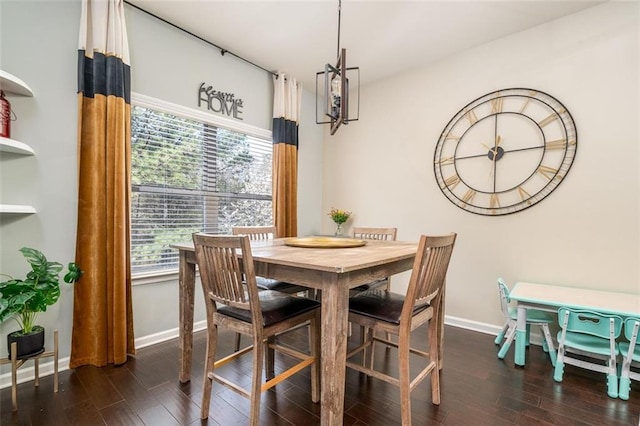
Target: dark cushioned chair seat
380,304
269,284
369,286
275,306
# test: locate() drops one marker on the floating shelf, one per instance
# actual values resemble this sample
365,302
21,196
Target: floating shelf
16,209
15,147
9,83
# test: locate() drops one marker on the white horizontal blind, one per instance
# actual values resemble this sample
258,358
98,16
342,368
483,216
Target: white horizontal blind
188,176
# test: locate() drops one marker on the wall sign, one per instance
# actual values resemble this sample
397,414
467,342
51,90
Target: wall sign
220,102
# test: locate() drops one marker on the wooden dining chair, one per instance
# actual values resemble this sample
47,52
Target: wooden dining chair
585,337
534,317
382,234
630,352
228,278
259,233
400,315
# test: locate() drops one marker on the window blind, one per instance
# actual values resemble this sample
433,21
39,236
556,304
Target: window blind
189,176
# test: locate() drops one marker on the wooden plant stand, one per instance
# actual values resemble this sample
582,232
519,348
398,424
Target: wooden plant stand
17,363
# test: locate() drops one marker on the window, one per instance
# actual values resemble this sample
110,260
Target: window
191,172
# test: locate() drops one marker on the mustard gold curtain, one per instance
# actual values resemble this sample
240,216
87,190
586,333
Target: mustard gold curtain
102,311
287,97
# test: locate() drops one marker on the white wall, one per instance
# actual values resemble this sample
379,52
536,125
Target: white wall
586,233
38,43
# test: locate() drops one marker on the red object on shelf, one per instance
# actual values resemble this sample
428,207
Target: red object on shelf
5,116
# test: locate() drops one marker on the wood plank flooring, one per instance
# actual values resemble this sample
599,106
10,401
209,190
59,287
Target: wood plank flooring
477,389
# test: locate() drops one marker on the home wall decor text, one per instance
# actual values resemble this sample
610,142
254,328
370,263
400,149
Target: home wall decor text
220,102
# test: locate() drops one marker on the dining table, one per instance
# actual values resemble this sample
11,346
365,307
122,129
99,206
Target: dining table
551,297
334,271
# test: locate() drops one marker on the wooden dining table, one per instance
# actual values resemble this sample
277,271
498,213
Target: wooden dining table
333,271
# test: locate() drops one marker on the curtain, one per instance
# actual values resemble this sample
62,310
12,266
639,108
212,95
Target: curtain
287,97
102,311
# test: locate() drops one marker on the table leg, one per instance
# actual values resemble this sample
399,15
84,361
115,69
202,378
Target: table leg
335,309
187,279
521,336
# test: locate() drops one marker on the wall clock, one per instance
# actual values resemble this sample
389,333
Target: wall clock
505,151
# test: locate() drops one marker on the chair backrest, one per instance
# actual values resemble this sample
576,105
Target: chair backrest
592,323
224,272
388,234
503,291
428,273
631,326
256,232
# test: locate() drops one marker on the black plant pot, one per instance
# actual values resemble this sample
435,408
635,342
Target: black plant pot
29,345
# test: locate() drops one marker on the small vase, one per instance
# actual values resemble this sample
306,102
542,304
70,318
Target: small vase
338,230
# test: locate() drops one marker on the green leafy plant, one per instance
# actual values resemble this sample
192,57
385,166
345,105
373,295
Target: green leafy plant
24,299
339,216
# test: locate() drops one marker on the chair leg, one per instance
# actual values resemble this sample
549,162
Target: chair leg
405,379
269,359
500,335
207,383
612,378
256,380
237,344
315,352
434,357
511,334
558,371
549,343
528,338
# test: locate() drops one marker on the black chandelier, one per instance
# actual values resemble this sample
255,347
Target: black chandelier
332,89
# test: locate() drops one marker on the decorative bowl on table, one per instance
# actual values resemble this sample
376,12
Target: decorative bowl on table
324,242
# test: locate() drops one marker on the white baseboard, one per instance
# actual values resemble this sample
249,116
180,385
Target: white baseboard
26,374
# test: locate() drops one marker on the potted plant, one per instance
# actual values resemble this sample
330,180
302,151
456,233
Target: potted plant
24,299
339,217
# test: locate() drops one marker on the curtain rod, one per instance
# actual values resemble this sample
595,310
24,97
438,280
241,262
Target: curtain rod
223,51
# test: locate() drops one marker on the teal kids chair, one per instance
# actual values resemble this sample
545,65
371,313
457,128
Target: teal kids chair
534,317
592,335
630,354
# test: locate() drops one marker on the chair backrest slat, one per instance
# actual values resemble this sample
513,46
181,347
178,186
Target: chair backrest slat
223,272
368,233
256,232
429,271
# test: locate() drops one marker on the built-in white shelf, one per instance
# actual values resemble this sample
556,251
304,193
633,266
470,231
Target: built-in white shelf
15,147
16,209
12,85
9,83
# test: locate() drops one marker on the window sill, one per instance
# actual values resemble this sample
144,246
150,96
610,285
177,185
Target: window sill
154,277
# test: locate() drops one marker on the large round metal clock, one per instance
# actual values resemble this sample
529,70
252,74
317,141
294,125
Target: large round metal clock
505,151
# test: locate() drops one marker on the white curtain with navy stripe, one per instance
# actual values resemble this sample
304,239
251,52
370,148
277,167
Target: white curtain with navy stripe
287,98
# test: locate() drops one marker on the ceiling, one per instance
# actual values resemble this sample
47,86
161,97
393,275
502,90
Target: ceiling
381,37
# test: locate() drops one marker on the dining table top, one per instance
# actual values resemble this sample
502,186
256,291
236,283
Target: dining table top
333,259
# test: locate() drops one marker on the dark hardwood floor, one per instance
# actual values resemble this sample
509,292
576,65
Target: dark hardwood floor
477,389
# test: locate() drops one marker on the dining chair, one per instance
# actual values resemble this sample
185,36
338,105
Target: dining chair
586,336
258,233
228,278
371,233
382,234
534,317
630,355
381,310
